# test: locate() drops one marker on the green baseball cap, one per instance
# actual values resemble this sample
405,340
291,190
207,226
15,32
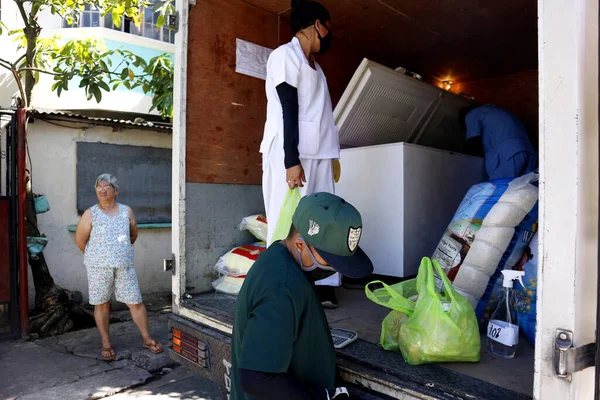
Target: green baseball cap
333,227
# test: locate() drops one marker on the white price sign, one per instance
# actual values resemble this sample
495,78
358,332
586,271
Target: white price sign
503,332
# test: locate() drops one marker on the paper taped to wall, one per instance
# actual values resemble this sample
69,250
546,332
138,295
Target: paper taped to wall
251,59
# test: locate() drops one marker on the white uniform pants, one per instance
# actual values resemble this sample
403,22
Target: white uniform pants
319,178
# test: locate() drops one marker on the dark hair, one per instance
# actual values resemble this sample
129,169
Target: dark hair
292,232
462,115
305,13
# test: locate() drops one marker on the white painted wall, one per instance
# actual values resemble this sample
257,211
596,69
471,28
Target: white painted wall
53,154
568,54
74,99
179,140
8,51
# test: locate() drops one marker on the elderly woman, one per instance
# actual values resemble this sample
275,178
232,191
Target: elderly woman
105,235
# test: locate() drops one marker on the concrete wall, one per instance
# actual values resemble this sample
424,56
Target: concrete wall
213,214
53,154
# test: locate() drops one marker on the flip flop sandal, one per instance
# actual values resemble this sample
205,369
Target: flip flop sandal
150,345
109,350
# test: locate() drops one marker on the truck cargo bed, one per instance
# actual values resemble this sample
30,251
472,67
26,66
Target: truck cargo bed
366,364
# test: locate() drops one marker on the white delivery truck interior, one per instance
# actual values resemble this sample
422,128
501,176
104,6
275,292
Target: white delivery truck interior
394,127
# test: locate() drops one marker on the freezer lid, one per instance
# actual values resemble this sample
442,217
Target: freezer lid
382,106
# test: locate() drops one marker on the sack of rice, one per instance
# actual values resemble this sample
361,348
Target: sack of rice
229,284
256,225
490,231
238,261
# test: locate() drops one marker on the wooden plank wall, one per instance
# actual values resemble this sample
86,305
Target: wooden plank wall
339,63
517,93
226,111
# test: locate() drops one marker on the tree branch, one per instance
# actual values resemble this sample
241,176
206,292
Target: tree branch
5,64
21,7
43,71
117,67
19,60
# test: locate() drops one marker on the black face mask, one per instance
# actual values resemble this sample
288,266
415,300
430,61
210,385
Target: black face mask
325,42
316,271
318,274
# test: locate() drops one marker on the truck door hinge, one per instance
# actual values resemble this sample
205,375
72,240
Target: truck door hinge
172,21
569,359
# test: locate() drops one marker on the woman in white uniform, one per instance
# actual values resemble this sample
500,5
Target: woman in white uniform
300,140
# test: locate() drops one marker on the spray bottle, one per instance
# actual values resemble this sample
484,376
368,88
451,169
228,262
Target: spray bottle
503,329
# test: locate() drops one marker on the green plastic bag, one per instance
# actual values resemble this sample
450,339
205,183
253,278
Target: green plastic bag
441,327
400,297
282,229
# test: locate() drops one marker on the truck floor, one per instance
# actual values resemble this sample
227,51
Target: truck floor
491,378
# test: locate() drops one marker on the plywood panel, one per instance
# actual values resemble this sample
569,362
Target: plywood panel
440,39
225,111
339,63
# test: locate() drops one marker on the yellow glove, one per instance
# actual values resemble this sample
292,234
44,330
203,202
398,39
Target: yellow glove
337,170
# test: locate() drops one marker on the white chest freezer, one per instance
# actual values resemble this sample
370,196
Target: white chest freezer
407,195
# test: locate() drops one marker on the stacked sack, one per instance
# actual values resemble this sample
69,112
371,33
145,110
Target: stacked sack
526,296
491,231
235,264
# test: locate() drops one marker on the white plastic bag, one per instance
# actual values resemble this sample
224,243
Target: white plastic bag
238,261
256,225
228,284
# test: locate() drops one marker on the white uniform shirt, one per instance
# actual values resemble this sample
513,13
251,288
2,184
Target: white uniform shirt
318,135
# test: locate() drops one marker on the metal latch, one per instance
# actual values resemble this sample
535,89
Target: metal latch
169,264
569,359
172,21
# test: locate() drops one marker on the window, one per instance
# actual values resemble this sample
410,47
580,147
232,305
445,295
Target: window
90,18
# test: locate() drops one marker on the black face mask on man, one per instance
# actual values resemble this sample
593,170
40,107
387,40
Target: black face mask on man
316,271
325,41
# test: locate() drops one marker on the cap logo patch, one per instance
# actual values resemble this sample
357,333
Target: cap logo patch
353,238
313,228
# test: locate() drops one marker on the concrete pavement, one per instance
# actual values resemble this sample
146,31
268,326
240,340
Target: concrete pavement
69,367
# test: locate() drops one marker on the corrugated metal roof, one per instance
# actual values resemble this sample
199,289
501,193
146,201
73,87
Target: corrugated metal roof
68,115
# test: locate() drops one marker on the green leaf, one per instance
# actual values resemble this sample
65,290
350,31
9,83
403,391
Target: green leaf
160,21
88,93
116,85
124,73
104,65
103,85
97,94
116,16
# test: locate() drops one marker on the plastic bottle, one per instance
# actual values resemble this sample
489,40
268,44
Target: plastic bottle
503,329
